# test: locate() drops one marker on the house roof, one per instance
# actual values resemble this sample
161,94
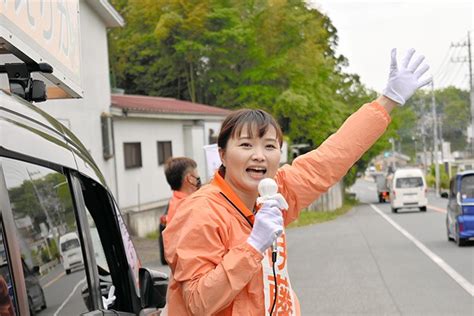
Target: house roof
141,103
107,12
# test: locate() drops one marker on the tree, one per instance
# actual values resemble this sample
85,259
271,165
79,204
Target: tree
274,55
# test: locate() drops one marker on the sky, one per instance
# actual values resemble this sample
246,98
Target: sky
369,29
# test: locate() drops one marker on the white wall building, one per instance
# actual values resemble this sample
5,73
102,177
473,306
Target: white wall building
147,131
82,115
72,37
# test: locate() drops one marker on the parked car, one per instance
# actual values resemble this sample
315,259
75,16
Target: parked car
70,250
36,298
50,186
163,221
460,210
408,190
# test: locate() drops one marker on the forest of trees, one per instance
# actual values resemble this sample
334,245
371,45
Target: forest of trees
277,55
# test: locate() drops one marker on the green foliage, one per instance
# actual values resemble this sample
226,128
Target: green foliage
45,255
274,55
153,235
452,107
53,248
314,217
36,197
443,177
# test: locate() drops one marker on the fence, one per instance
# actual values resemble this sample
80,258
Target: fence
331,200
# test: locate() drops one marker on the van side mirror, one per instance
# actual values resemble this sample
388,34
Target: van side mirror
444,195
153,287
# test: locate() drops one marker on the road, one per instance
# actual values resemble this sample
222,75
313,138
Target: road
373,262
63,292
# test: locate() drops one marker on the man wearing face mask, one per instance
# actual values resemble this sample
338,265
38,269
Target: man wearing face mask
183,178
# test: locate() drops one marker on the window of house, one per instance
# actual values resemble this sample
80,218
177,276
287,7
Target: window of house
164,152
133,155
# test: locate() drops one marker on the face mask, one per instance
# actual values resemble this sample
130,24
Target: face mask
198,182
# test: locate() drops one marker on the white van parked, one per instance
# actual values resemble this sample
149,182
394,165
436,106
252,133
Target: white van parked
408,190
70,250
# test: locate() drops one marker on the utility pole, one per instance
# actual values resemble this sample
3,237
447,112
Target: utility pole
423,135
471,84
435,138
392,141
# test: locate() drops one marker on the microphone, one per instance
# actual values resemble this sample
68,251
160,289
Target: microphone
268,189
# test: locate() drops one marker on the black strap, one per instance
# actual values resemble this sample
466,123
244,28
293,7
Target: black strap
238,210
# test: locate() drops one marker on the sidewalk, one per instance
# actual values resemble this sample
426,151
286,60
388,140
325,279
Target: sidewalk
149,254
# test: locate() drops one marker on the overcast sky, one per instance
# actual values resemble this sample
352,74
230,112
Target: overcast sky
368,29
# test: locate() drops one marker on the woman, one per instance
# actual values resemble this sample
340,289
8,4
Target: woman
219,245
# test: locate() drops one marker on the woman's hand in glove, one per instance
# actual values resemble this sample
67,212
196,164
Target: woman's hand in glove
267,227
403,81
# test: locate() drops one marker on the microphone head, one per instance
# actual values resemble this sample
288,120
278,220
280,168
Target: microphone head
267,187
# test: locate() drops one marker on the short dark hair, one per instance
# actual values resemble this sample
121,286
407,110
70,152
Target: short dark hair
176,168
235,122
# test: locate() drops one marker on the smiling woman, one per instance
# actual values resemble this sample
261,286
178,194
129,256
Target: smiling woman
250,141
218,244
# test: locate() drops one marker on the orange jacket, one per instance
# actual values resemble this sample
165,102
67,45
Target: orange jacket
177,198
214,270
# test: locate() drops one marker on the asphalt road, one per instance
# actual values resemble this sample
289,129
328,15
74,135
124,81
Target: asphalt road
373,262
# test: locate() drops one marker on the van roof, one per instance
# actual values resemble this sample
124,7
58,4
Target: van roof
68,236
463,173
408,172
29,133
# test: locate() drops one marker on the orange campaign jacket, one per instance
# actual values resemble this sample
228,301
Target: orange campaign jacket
214,270
177,198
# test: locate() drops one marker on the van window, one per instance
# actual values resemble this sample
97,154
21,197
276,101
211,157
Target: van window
110,252
43,212
70,244
411,182
467,187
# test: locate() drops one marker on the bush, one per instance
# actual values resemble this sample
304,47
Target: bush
443,177
44,255
53,248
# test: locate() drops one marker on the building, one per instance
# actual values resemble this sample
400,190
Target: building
129,140
145,132
83,115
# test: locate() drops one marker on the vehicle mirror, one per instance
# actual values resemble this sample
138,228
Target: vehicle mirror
444,195
153,286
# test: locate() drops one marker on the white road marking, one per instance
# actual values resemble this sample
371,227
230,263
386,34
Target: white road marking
69,297
54,280
437,209
440,262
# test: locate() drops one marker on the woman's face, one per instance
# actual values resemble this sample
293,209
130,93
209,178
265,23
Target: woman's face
249,160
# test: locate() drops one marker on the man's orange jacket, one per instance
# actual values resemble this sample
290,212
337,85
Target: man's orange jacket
214,270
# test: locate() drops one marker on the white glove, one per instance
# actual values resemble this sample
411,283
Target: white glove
267,227
281,202
110,299
404,81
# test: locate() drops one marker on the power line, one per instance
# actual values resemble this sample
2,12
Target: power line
447,69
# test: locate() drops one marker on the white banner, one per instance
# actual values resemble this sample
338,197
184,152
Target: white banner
213,161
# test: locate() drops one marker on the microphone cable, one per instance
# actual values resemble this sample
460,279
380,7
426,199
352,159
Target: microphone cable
274,257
